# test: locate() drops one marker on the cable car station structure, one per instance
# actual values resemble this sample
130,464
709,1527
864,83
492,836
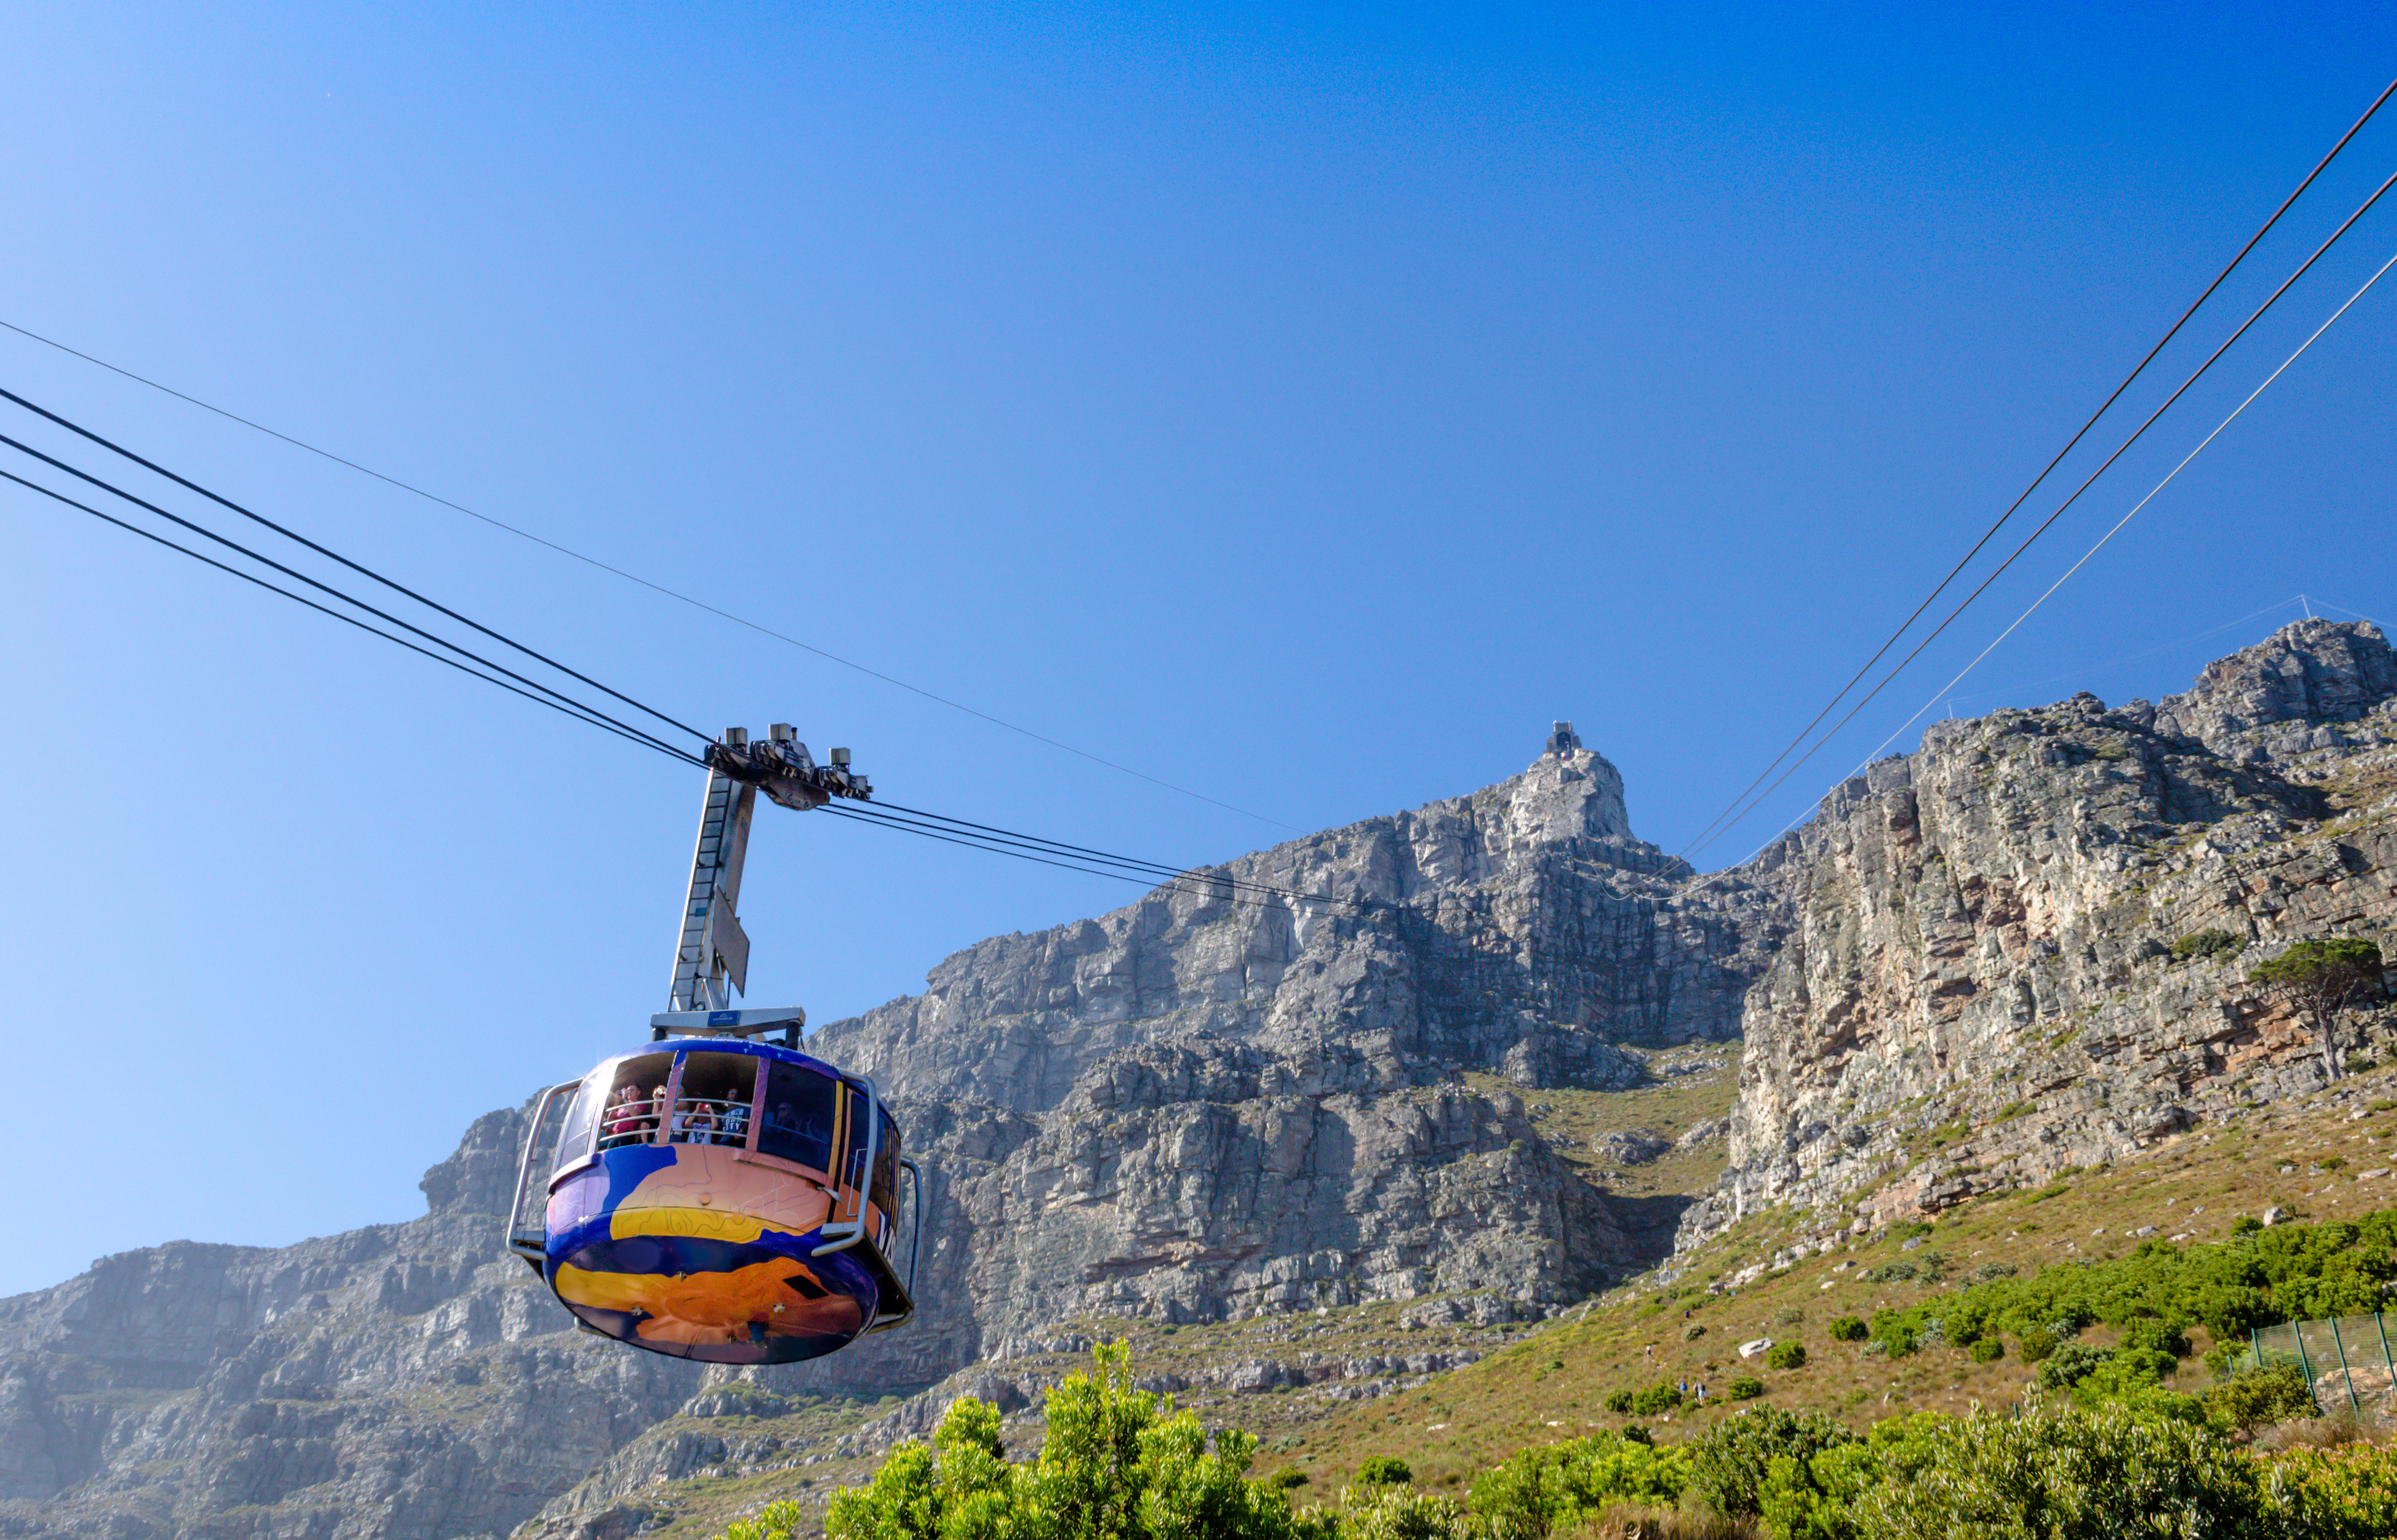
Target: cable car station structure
715,1195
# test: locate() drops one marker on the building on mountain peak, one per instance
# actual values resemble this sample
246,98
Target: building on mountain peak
1563,741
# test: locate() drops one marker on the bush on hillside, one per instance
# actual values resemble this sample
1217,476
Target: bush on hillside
1398,1511
1729,1461
1383,1470
1848,1329
1119,1464
2346,1493
1561,1487
2206,944
2069,1364
2259,1396
2289,1273
1619,1402
1786,1355
2163,1335
1655,1398
777,1520
2113,1471
1988,1349
1745,1388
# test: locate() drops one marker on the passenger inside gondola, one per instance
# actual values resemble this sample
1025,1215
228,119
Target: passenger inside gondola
632,1112
717,1093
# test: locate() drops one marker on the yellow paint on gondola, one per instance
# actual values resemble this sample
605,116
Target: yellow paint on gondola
701,1224
693,1309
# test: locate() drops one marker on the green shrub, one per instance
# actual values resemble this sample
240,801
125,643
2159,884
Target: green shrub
2206,944
1729,1461
1894,1332
1988,1350
1619,1402
1746,1388
1383,1470
776,1520
2109,1472
2164,1336
2036,1345
1690,1333
1119,1464
1786,1355
1561,1487
2069,1364
2126,1374
1396,1512
1283,1480
1848,1329
1655,1398
2347,1493
2246,1224
2259,1396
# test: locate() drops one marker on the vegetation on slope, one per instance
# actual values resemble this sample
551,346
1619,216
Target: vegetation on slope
1120,1464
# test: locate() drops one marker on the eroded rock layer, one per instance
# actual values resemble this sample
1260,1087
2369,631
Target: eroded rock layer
2026,947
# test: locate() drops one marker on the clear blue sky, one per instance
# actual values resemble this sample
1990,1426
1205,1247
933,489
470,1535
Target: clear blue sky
1302,405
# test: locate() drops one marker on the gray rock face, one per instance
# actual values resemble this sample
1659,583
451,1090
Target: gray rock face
1981,950
1520,930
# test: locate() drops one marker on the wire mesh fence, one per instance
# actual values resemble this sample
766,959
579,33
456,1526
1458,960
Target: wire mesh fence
2347,1359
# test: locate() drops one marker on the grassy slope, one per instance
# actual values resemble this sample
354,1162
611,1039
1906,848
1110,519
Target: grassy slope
1551,1384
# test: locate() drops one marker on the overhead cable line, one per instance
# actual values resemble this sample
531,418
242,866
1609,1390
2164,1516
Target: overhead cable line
1181,883
888,813
2136,436
654,586
337,557
978,836
1173,878
1084,851
347,619
264,559
2143,502
1989,534
2086,669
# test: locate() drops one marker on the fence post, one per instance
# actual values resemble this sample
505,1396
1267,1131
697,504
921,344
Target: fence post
2304,1363
2380,1323
2343,1373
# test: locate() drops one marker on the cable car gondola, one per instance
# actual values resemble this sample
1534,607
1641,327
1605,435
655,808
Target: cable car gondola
713,1195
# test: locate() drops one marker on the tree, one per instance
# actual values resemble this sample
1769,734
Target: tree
1118,1464
2320,978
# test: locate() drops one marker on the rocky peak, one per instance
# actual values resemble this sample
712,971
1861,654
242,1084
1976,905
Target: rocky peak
2311,673
480,1174
1982,986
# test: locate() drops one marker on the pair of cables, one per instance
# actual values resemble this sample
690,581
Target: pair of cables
1752,796
440,649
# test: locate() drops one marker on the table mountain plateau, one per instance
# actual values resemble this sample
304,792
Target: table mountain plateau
1220,1103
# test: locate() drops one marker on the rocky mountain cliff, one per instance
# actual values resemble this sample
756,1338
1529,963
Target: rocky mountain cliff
1226,1103
2025,946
